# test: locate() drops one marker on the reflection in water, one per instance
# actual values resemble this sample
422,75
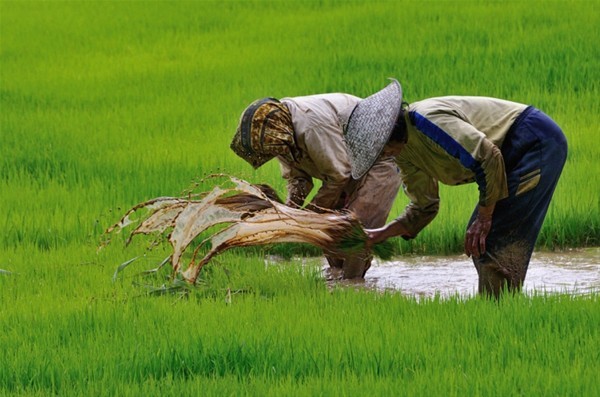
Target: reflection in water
574,272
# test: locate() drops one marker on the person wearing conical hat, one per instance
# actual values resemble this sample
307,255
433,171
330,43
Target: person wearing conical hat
514,153
305,135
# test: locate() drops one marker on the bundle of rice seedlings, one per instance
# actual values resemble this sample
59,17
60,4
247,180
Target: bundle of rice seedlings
248,215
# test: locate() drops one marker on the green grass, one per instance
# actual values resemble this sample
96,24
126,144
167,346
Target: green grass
106,104
279,331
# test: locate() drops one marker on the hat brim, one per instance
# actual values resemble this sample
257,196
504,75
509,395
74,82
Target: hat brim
370,126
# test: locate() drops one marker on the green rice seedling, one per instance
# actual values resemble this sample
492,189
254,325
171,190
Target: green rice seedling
108,104
263,326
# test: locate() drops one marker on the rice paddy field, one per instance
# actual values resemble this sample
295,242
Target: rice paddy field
105,104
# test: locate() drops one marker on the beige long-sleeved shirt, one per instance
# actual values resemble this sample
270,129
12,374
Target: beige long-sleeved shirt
319,122
453,140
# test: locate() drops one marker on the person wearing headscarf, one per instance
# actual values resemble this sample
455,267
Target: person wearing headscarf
305,135
514,153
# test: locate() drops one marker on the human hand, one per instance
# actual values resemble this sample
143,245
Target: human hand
478,232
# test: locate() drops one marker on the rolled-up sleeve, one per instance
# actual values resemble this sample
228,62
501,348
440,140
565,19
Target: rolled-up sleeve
495,187
423,192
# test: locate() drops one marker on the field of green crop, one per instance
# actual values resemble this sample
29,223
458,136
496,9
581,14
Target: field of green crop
104,104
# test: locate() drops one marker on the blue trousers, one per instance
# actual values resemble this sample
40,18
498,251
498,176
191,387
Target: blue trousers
534,151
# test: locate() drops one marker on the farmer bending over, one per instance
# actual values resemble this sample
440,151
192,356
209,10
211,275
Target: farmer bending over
305,134
514,152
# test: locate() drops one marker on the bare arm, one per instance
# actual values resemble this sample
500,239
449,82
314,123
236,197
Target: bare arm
392,229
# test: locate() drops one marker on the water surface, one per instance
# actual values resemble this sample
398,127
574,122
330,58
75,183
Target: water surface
574,272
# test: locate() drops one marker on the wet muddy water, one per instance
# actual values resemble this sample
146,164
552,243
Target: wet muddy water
574,272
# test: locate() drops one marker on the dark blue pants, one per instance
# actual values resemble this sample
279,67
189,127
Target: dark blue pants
534,151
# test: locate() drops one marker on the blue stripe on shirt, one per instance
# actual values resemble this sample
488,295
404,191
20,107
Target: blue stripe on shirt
453,148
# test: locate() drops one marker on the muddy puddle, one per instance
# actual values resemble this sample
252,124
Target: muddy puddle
573,272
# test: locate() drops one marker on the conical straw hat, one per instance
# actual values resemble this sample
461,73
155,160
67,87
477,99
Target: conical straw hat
370,126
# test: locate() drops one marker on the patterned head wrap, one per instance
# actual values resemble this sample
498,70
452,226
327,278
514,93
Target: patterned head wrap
265,131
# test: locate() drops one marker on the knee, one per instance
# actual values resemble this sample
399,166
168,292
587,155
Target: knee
356,268
494,279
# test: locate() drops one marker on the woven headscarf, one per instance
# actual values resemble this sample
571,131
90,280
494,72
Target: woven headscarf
265,131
